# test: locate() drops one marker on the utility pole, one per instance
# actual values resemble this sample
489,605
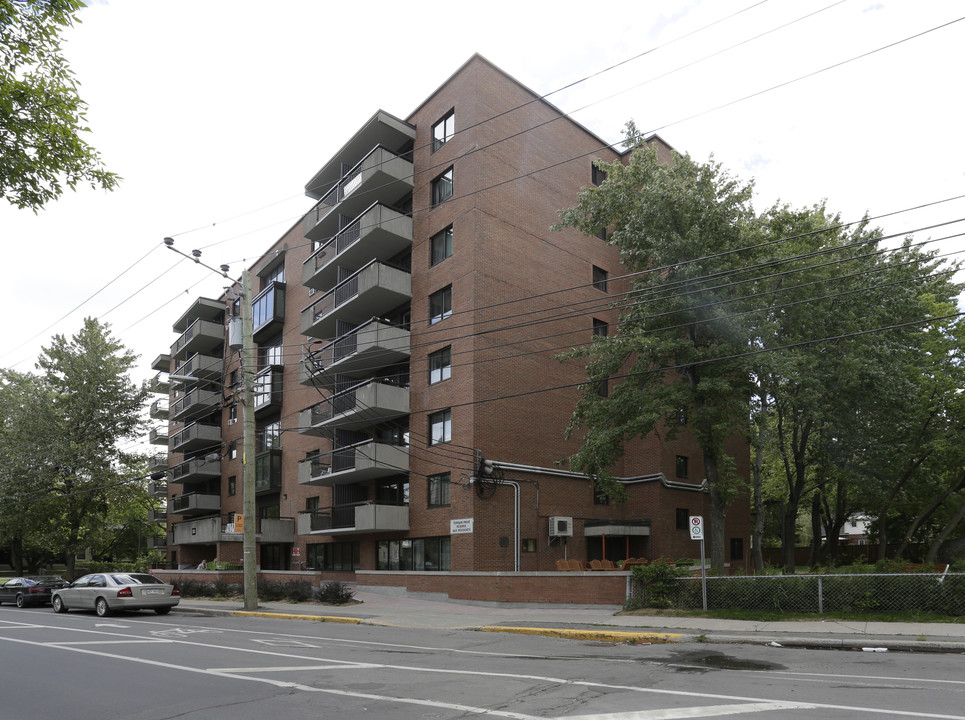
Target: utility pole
248,359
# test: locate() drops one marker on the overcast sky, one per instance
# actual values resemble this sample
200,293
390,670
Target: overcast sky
216,113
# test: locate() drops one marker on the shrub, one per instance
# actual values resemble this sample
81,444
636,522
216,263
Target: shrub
194,588
335,593
658,582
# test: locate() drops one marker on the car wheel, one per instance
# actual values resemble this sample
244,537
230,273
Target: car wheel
162,611
58,605
102,608
20,601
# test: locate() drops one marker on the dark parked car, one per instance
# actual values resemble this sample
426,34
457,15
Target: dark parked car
106,592
25,591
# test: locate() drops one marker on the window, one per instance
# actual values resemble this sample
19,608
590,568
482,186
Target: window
600,498
682,463
439,490
232,450
232,485
270,436
440,246
440,427
440,305
312,503
598,175
432,553
276,274
603,387
342,556
443,130
599,278
600,328
528,545
270,354
232,414
601,233
442,188
737,548
682,517
440,365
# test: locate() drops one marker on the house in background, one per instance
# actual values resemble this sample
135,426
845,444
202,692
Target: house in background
410,410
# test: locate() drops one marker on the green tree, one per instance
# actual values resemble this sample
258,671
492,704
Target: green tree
95,408
42,117
682,228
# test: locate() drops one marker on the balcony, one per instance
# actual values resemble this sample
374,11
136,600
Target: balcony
207,367
159,409
379,233
370,346
222,529
157,489
157,542
194,504
380,129
364,405
194,437
202,308
381,176
161,363
157,461
354,519
157,516
195,403
196,469
268,472
268,311
159,383
158,435
267,388
201,336
373,290
365,461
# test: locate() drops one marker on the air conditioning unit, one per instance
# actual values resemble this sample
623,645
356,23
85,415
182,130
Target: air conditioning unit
232,421
561,527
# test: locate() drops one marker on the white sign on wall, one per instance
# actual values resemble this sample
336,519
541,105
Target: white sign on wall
459,526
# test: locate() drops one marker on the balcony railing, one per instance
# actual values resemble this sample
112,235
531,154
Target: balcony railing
379,233
195,469
158,435
157,489
159,409
356,518
373,290
372,345
157,542
355,463
382,175
157,461
195,437
157,516
200,336
223,529
195,403
365,404
201,366
194,504
159,383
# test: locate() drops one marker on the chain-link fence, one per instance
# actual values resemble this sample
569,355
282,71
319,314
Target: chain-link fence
943,594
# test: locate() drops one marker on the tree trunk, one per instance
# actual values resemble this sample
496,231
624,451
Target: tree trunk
927,512
757,533
718,515
815,530
932,553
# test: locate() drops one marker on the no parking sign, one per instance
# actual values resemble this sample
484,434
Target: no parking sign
696,527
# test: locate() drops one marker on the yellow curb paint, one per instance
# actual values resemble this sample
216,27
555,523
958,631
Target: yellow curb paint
602,635
290,616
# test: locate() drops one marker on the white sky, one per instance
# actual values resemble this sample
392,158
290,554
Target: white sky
216,112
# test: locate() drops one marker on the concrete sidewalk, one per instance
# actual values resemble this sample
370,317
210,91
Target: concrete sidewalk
600,622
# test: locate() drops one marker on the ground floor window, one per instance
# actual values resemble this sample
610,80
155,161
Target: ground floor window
414,554
333,556
274,556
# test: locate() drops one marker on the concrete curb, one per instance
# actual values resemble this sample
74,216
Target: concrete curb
860,643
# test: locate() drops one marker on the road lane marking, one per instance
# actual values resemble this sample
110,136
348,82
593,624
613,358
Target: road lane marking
700,711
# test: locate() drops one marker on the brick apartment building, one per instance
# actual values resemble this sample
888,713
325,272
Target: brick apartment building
407,329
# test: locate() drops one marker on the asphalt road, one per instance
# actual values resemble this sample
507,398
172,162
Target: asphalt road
140,666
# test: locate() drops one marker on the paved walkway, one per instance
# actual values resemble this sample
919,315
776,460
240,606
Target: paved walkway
601,622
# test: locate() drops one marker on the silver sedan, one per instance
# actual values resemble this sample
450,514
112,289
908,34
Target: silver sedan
106,592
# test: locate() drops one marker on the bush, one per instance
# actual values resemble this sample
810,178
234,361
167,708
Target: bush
658,583
193,588
334,593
